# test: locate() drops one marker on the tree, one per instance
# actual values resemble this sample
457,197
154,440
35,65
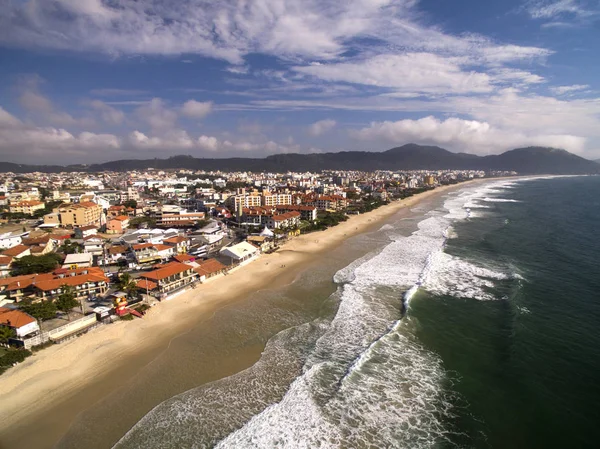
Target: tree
130,203
66,300
6,333
70,247
36,264
127,284
42,311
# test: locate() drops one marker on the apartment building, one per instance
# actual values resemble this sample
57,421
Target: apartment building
26,207
75,215
276,199
171,276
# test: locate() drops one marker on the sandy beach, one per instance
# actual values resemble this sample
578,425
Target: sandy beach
69,373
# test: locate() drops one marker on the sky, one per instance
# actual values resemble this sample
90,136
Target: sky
85,81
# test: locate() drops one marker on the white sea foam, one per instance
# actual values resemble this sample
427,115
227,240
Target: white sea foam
500,200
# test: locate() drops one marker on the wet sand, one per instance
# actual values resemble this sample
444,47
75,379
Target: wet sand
43,396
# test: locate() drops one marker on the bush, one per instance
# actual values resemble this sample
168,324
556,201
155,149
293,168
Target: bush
14,356
128,317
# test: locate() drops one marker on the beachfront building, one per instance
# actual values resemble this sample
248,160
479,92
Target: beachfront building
307,213
209,268
86,282
170,277
23,323
241,252
287,220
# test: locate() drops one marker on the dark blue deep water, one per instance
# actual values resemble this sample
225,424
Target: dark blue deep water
526,362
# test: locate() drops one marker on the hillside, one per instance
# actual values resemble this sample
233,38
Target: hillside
531,160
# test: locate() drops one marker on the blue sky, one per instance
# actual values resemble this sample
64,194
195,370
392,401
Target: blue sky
94,80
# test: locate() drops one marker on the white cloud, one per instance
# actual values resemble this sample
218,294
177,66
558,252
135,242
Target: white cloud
156,114
208,143
462,135
550,9
562,90
108,114
414,72
196,109
321,127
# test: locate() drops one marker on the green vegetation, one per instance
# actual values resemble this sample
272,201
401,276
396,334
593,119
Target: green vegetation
66,300
42,311
128,317
6,333
326,220
127,284
11,357
36,264
137,222
70,247
130,203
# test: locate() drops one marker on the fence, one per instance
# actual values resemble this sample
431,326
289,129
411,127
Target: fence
61,333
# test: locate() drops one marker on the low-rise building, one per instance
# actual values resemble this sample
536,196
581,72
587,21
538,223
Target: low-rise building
117,225
26,207
171,276
17,252
240,252
74,261
23,323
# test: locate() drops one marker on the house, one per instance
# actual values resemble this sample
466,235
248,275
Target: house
307,213
17,252
94,245
23,323
116,211
209,268
40,245
171,276
165,251
241,252
85,231
180,243
117,225
117,253
263,242
184,258
145,252
5,263
73,261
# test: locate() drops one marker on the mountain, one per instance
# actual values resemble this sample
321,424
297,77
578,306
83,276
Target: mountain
531,160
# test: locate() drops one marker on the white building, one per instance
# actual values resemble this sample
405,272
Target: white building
241,252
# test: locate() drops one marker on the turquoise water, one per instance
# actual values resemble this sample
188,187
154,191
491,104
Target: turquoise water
474,324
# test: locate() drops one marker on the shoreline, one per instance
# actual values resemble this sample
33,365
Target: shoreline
57,375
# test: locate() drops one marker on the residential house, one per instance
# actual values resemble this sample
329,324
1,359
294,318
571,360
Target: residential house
171,276
74,261
85,231
117,253
209,268
117,225
40,245
5,263
145,252
23,323
94,245
17,252
180,243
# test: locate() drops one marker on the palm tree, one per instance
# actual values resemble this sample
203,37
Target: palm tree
127,284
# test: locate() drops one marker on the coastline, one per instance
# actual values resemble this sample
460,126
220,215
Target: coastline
61,373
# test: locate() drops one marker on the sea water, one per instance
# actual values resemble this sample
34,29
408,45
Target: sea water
478,328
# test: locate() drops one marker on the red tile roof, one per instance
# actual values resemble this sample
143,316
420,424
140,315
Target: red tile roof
209,266
5,260
166,270
14,318
145,284
15,250
184,258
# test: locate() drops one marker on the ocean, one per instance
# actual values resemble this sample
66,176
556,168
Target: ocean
470,323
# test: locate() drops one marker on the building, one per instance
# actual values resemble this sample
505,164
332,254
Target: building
23,323
75,261
307,213
276,199
75,215
117,253
287,220
171,276
241,252
8,240
209,268
145,252
117,225
94,245
180,243
17,252
5,263
86,282
26,207
180,219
